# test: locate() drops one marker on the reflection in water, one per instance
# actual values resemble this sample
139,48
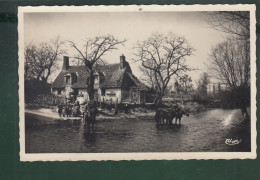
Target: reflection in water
169,129
228,119
89,135
206,131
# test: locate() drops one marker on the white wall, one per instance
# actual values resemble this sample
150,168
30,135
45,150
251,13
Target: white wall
84,92
116,97
108,97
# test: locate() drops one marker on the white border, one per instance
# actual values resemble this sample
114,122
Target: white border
136,156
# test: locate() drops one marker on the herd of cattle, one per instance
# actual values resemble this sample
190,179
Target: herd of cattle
166,115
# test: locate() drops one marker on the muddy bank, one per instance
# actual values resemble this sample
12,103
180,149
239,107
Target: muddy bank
45,116
49,115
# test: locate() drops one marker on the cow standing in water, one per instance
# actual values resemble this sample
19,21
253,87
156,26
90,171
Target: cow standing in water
179,113
165,114
169,114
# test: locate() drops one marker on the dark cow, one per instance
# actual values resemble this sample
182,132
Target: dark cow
165,114
179,113
89,114
66,111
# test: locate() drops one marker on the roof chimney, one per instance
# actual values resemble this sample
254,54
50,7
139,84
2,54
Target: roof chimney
122,61
65,63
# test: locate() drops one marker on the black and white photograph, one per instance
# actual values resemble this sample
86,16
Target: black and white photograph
137,82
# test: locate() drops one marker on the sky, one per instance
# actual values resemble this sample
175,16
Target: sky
132,26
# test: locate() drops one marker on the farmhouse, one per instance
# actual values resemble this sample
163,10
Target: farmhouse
113,82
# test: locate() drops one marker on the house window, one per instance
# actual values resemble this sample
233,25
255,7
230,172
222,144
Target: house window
59,91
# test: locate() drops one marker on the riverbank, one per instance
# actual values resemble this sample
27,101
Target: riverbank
102,114
47,114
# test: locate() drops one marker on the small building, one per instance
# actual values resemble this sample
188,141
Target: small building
113,83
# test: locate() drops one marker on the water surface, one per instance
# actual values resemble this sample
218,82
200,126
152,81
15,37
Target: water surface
203,132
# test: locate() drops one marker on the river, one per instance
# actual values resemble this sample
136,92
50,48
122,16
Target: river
203,132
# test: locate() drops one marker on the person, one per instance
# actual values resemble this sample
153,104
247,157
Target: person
92,107
60,109
72,100
76,109
126,108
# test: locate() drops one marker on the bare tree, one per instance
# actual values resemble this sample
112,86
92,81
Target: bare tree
41,58
231,59
165,57
236,23
95,49
230,62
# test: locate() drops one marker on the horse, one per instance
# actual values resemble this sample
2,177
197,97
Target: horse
179,113
165,114
89,117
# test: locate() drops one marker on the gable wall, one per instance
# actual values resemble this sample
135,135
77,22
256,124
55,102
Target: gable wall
127,82
125,95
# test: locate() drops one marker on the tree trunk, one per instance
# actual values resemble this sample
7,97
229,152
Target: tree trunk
158,100
90,85
242,94
47,76
244,113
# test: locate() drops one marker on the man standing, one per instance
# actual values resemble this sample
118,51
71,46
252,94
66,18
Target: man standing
60,109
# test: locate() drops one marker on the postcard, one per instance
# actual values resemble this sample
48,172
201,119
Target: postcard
137,82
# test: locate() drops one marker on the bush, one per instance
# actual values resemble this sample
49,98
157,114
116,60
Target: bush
45,101
194,107
33,88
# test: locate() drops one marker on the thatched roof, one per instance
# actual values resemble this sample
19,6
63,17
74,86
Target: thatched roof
137,84
82,74
114,77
